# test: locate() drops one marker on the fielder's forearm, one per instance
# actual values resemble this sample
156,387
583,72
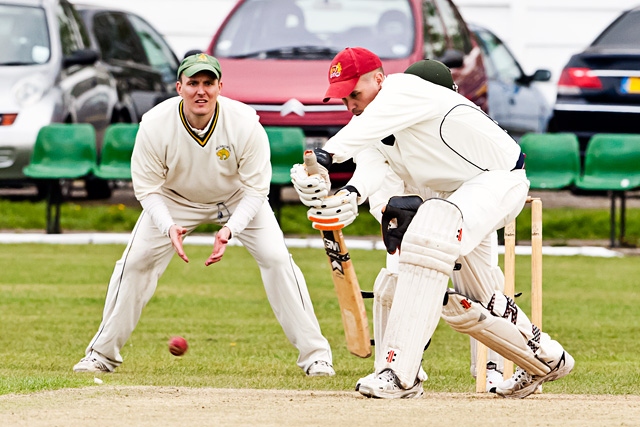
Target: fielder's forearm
157,209
244,213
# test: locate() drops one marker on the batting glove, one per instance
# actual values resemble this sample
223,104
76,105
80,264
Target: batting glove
335,212
310,188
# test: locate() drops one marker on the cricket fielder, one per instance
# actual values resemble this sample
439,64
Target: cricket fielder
203,158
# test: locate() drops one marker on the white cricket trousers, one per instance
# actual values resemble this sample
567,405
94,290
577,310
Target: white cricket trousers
148,253
488,202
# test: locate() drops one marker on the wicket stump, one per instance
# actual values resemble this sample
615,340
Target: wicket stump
509,285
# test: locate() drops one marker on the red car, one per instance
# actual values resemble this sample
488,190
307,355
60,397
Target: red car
275,54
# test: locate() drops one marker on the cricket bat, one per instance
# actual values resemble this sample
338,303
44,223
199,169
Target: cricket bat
345,281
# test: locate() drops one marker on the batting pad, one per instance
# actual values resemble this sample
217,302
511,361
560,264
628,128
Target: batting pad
471,318
383,290
428,254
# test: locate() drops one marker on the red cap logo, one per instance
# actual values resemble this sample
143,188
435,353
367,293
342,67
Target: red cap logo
335,71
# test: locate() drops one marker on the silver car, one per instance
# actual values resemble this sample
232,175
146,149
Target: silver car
47,74
515,101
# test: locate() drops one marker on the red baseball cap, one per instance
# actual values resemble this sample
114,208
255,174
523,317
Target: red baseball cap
346,68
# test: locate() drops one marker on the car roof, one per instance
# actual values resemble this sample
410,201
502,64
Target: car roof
28,2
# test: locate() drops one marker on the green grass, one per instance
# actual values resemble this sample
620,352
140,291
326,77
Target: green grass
559,224
51,299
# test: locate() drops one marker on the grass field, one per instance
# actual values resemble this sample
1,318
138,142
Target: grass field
51,299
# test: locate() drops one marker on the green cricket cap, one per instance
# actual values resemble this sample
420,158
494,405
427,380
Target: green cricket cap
193,64
432,71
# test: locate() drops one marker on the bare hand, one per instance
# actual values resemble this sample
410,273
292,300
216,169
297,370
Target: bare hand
219,246
176,234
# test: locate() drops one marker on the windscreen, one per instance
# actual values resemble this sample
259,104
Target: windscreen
624,32
317,29
24,36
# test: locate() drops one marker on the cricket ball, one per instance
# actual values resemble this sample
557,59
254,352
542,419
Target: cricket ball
178,346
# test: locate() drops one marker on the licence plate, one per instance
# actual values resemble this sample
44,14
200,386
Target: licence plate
631,85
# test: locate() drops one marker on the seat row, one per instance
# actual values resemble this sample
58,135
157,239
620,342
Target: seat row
611,164
68,151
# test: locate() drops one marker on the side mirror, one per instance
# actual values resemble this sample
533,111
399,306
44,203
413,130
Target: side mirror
541,76
538,76
81,57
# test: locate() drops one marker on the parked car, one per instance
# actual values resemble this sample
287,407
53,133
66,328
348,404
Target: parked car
599,88
137,55
515,101
48,73
275,55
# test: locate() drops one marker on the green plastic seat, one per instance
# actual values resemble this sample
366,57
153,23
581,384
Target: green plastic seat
552,159
612,164
62,151
115,158
287,148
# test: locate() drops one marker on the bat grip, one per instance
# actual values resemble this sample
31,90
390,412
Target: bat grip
311,162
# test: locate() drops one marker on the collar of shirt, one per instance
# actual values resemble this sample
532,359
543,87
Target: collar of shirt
200,132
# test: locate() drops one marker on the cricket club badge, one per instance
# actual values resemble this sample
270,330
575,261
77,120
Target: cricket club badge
223,152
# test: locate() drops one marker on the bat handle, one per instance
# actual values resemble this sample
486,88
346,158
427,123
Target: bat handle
311,162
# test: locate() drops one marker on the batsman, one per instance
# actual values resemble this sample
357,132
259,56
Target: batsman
432,138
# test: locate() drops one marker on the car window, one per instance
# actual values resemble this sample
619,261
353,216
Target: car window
159,53
500,64
623,32
454,27
435,40
73,35
308,28
116,38
24,35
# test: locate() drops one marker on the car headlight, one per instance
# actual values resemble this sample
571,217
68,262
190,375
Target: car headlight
29,91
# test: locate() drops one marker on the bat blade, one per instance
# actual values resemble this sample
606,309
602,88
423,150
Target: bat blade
345,281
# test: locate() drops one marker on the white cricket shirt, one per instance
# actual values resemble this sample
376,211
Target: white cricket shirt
170,159
441,138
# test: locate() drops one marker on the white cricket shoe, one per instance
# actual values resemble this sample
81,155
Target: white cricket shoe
522,384
320,368
385,385
422,376
91,364
367,378
494,377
